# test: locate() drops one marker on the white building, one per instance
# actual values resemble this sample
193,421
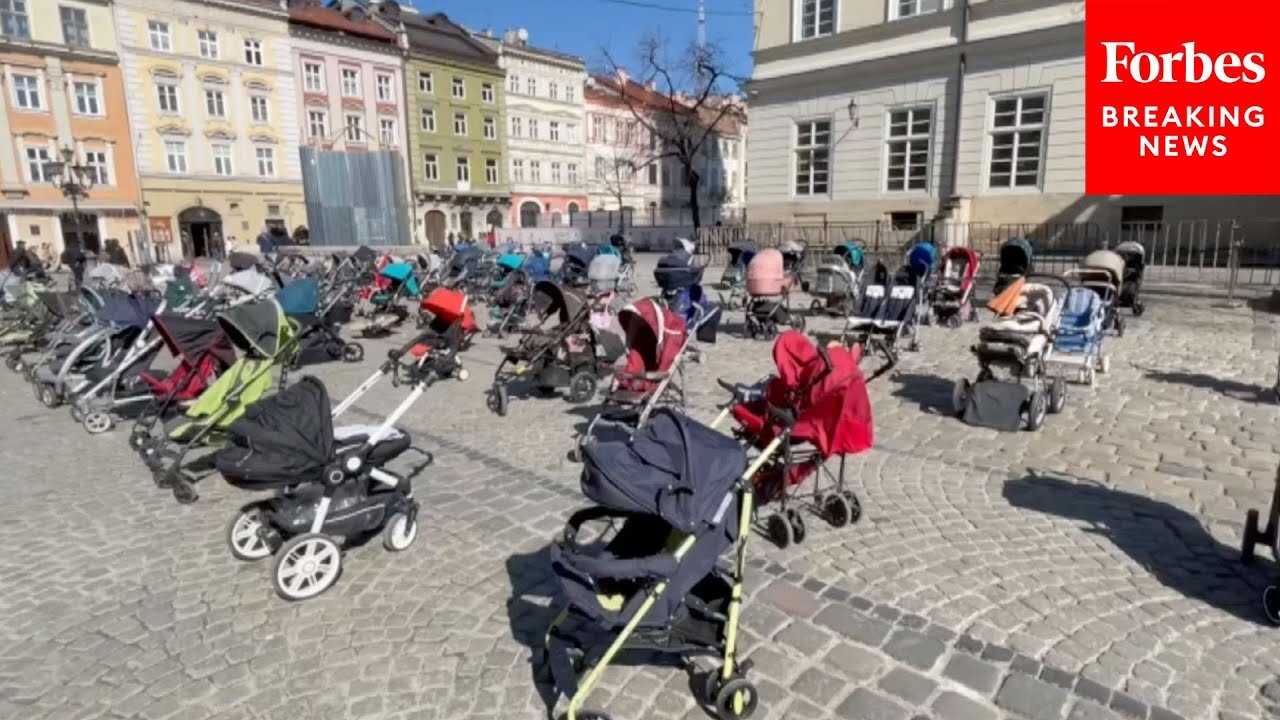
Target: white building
918,111
546,146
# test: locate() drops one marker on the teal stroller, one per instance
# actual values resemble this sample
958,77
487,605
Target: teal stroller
511,292
388,311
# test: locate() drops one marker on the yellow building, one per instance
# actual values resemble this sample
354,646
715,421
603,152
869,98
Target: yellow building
213,108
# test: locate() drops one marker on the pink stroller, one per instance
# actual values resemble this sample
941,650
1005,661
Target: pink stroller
768,296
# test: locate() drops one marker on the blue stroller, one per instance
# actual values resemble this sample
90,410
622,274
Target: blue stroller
680,283
319,337
388,310
1077,340
735,273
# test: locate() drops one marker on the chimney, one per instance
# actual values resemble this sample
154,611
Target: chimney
652,85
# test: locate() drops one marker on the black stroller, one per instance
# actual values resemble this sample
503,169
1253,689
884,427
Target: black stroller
1135,265
573,271
1015,262
319,335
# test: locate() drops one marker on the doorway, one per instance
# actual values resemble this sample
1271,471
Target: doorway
82,226
530,211
437,224
493,219
201,231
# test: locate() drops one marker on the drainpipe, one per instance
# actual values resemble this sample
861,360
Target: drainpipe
953,181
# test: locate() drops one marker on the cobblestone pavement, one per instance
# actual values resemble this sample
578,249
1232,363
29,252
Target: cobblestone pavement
1086,571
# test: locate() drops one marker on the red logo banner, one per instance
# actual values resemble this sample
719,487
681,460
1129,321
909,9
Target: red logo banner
1182,97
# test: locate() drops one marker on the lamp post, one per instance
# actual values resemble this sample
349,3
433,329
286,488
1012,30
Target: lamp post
74,180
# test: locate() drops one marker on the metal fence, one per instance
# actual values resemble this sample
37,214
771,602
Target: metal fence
355,198
649,217
1228,253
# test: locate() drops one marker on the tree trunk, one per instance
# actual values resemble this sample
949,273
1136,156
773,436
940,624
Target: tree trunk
694,181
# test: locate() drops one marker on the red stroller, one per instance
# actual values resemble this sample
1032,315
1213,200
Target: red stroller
203,351
656,338
818,404
951,301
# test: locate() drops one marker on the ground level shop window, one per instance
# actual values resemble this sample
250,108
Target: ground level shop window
1017,140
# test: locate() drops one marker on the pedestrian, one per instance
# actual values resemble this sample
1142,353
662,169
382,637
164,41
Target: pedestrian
267,244
115,253
22,263
74,258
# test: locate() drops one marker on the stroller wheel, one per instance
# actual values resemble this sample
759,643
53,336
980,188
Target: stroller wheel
955,321
13,362
1104,365
1057,395
837,510
582,386
1119,327
1252,536
77,415
499,400
855,506
183,490
797,322
779,530
960,396
1036,410
136,441
399,533
306,566
816,306
737,699
1138,308
1271,604
352,352
97,422
48,396
797,525
245,537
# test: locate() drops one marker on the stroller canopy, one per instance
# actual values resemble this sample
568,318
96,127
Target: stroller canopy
551,298
106,274
249,281
364,255
127,311
579,254
608,250
603,272
966,257
851,254
511,261
402,273
741,253
61,304
187,338
1015,257
1105,260
1133,252
242,261
654,336
463,257
833,409
257,327
280,440
676,271
766,273
300,297
922,258
538,266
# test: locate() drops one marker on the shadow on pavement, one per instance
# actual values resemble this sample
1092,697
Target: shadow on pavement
930,392
1168,542
1246,392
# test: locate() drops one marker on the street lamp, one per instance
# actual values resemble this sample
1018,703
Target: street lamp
75,181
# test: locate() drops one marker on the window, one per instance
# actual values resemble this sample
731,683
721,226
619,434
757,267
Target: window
160,39
259,109
384,89
175,156
26,92
214,103
1147,215
459,89
491,172
253,52
599,130
387,131
221,159
431,167
571,133
428,119
313,77
653,173
167,97
910,134
266,161
486,93
813,157
899,9
517,171
553,90
517,127
513,84
556,177
350,82
317,124
817,18
208,42
573,173
602,168
553,131
490,129
533,128
1017,140
532,86
98,167
75,26
36,159
535,171
355,128
14,22
426,84
88,102
569,94
462,170
906,220
459,124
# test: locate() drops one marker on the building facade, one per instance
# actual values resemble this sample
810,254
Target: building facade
63,88
213,105
622,174
928,111
545,144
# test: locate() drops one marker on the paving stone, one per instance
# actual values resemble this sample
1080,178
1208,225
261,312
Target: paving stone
853,625
954,706
853,662
1128,705
907,685
972,672
863,704
915,649
1085,710
817,686
1031,697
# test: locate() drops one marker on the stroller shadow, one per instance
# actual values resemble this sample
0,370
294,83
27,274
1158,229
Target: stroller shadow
930,392
1245,392
1168,542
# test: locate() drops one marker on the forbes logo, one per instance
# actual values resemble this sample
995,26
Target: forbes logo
1188,66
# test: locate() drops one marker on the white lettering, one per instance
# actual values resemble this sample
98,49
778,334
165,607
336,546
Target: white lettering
1110,117
1189,66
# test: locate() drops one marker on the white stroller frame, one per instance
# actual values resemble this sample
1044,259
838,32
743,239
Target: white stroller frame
835,270
1092,360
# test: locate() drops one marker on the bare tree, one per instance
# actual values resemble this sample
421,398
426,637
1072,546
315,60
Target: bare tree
682,102
615,174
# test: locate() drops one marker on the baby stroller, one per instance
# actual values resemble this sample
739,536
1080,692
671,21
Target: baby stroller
603,273
735,272
951,301
248,284
1078,339
671,500
627,272
1102,271
509,306
68,320
329,482
388,311
569,355
835,284
1015,261
203,353
1013,388
319,337
1135,261
768,296
679,281
266,339
885,315
538,265
462,265
818,404
792,262
573,268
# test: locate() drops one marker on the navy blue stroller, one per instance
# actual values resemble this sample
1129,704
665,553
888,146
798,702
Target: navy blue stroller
680,283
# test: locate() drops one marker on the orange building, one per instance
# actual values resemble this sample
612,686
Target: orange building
63,88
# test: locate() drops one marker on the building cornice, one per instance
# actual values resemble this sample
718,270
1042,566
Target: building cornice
58,50
344,40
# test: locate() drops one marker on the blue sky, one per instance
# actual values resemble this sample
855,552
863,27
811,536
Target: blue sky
582,27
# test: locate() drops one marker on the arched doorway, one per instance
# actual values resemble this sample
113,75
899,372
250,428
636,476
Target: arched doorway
437,224
573,209
530,211
201,231
493,219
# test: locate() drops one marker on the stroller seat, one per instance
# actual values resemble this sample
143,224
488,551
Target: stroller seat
873,298
389,448
896,310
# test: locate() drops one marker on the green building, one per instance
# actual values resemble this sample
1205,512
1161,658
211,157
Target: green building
455,91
